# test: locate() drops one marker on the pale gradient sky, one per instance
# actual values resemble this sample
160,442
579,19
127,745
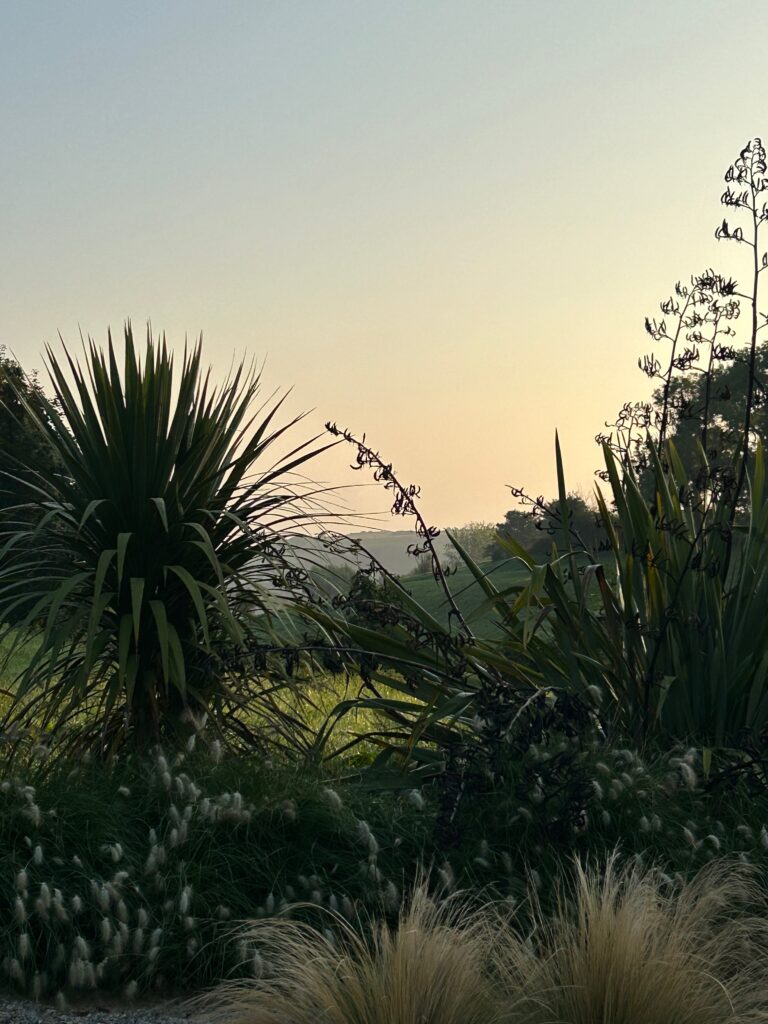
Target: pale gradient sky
442,222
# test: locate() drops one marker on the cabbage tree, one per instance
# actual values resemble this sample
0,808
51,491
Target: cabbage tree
151,555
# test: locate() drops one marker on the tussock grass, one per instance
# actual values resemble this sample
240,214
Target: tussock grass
626,949
623,947
430,969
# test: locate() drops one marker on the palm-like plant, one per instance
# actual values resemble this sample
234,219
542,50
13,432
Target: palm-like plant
154,549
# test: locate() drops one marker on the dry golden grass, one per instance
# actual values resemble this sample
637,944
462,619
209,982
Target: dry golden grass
429,971
624,950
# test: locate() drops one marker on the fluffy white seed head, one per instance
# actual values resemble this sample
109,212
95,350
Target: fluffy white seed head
185,900
19,910
415,799
77,974
333,799
34,815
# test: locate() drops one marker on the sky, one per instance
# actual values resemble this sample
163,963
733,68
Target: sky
440,223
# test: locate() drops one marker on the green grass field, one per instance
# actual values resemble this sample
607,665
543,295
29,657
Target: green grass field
467,592
308,704
13,667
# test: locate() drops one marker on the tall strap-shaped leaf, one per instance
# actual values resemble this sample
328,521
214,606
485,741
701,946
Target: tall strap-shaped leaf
161,623
123,539
178,673
193,589
565,516
159,504
137,596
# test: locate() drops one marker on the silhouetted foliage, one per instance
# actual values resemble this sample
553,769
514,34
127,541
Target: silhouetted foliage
537,524
654,615
404,504
711,392
23,449
27,461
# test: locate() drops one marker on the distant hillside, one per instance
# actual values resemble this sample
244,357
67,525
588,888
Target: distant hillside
390,547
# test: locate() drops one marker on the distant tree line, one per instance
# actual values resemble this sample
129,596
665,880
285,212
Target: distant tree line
533,525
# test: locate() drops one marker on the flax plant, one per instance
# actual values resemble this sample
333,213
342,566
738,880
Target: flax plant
666,629
661,632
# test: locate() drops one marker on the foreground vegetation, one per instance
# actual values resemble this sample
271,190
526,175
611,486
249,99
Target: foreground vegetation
203,727
137,878
627,950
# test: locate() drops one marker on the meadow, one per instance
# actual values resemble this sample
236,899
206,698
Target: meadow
469,594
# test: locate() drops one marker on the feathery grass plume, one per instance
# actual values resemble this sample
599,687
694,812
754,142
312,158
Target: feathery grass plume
629,950
429,969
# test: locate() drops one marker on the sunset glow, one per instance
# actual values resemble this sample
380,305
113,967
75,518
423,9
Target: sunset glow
441,223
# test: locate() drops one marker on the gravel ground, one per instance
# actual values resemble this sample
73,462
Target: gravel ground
15,1012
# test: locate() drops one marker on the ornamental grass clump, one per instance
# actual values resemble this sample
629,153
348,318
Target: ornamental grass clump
628,948
430,968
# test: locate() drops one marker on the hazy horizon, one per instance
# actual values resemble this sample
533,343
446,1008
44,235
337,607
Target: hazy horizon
442,224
